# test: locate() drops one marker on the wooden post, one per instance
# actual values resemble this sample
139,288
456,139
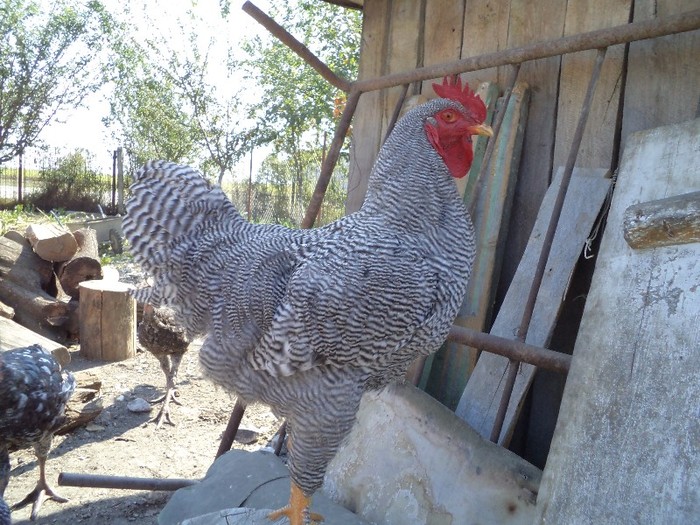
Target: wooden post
120,181
107,316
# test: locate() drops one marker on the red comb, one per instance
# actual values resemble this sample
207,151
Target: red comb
453,91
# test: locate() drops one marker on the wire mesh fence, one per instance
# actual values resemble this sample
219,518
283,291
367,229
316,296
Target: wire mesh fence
51,180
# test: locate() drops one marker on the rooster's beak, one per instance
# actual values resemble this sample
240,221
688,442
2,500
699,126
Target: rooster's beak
482,129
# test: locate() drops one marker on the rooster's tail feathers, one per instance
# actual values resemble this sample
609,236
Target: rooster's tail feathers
170,209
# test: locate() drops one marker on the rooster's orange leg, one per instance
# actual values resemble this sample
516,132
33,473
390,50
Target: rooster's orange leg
298,509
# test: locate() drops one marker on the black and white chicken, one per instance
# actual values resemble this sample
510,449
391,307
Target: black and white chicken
162,336
33,397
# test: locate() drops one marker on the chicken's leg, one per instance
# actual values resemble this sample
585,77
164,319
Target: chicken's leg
43,490
170,367
298,509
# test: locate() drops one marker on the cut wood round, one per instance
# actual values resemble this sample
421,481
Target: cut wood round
107,315
35,309
18,263
83,266
51,242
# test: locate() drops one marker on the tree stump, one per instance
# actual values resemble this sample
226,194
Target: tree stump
107,315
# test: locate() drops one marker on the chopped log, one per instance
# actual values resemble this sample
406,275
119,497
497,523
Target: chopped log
19,263
35,309
51,242
663,222
83,266
14,335
6,311
16,236
72,325
107,321
85,404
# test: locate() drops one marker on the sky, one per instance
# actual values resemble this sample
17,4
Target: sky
83,127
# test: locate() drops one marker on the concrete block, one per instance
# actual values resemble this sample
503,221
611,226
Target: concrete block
254,480
411,460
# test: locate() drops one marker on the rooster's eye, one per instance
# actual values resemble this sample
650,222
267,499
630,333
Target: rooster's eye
449,116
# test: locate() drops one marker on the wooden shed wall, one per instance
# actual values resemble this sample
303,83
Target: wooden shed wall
644,84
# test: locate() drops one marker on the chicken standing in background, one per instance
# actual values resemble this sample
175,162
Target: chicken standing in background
160,334
308,320
33,398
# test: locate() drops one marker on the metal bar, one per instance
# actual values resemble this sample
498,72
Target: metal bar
397,111
68,479
231,428
547,241
511,376
296,46
513,349
329,163
570,44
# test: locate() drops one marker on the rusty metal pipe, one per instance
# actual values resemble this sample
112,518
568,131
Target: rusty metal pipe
570,44
296,46
234,421
331,158
68,479
512,349
547,242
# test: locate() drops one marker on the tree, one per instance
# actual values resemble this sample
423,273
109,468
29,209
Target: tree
48,61
151,119
295,104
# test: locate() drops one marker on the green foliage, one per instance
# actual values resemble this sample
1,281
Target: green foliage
152,122
47,63
296,107
71,185
294,99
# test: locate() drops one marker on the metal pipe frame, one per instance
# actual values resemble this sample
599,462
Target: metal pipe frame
68,479
597,39
600,39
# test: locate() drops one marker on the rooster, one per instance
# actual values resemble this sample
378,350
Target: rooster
308,320
33,397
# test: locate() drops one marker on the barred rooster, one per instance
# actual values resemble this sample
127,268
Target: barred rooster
308,320
33,397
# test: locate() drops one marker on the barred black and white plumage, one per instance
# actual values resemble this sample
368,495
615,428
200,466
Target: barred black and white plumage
33,396
307,320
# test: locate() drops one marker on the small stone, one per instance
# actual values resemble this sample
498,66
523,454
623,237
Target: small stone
120,398
246,436
92,427
138,405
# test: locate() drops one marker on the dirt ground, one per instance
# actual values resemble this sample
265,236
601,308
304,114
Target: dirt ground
123,443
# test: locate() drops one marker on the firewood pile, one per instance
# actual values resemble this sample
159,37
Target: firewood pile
40,271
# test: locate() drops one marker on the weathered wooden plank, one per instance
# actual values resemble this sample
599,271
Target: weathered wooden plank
585,196
485,31
488,92
663,222
626,442
404,51
14,335
444,21
454,362
527,25
663,74
366,135
598,146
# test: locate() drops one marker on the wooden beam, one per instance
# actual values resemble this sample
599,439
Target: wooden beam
663,222
479,403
